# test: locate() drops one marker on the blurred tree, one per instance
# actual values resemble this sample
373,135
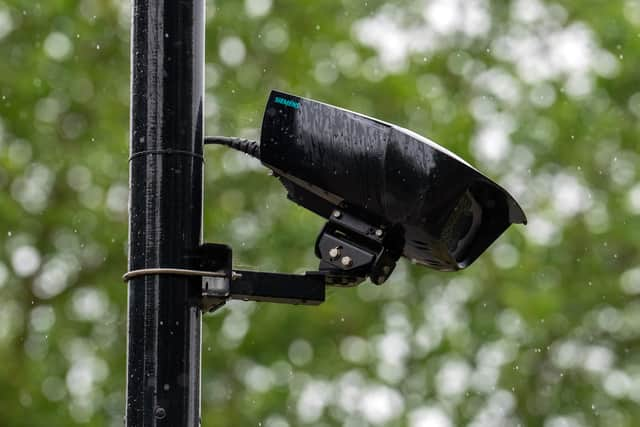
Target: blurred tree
543,330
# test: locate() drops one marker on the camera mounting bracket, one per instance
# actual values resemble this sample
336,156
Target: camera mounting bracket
306,289
351,250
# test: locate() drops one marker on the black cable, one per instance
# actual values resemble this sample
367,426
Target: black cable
247,146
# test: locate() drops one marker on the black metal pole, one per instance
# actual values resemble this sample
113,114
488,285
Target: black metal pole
165,224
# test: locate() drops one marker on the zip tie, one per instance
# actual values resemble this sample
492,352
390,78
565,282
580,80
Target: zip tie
169,151
177,271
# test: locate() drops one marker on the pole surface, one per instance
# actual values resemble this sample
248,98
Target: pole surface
165,218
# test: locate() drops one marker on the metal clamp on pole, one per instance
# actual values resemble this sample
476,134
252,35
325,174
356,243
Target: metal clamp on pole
215,290
253,285
220,283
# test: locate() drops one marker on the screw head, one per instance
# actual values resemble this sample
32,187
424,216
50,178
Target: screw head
379,232
160,413
337,214
346,261
334,252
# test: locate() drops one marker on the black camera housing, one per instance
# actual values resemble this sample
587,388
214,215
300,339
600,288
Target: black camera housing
417,198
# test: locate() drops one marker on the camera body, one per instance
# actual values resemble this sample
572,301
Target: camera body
418,199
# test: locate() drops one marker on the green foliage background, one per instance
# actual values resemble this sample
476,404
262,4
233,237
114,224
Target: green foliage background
543,330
